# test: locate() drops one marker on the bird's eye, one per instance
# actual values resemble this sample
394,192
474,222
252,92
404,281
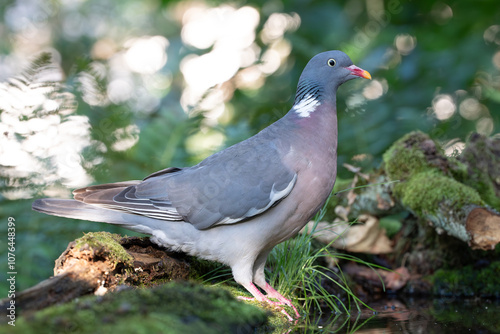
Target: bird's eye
331,62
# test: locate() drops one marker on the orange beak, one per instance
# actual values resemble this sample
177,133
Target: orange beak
359,72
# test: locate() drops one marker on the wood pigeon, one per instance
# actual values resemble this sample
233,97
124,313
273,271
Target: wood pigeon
236,205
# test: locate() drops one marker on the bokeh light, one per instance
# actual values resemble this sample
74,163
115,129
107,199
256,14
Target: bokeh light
485,126
443,106
492,34
470,108
454,147
441,12
405,43
375,89
42,137
146,55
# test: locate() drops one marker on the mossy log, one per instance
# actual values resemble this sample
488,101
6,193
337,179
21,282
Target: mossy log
458,196
455,194
101,262
178,307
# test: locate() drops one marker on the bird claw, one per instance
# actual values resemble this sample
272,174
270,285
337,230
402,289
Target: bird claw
288,302
278,305
271,293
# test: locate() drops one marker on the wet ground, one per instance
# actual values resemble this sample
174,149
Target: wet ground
440,316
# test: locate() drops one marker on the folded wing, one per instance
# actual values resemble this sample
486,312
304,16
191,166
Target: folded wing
228,187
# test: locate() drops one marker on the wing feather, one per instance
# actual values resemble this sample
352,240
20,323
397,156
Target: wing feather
231,186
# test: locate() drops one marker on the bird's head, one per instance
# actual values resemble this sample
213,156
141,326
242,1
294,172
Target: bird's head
320,79
330,69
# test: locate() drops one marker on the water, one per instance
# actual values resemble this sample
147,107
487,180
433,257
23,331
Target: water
422,316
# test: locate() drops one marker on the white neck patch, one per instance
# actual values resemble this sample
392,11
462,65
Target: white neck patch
306,106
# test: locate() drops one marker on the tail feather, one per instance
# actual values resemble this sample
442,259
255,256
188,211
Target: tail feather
70,208
97,203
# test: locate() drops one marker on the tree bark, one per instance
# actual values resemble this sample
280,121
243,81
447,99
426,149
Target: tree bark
452,195
100,262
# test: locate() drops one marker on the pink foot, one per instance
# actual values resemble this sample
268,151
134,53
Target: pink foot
271,293
270,302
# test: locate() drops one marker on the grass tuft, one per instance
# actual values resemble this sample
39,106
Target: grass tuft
296,267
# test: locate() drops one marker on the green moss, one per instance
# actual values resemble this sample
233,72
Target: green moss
476,178
277,321
468,281
454,282
485,187
182,307
425,191
405,158
458,169
479,161
481,181
108,244
425,185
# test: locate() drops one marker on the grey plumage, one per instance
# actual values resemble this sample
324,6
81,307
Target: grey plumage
237,204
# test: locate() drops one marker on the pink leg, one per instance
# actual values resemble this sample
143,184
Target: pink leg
272,293
260,297
260,279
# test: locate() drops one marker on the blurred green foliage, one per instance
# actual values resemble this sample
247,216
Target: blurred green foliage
425,57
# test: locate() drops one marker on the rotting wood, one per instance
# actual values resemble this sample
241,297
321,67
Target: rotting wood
88,270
